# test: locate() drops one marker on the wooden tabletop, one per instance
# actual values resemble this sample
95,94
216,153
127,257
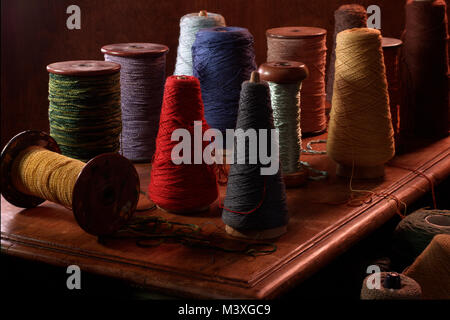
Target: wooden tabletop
322,226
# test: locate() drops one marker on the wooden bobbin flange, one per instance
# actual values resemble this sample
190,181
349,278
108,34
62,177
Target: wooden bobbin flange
105,194
295,32
83,68
282,72
135,49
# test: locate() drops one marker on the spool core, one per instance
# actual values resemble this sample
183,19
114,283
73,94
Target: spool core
392,281
105,194
203,13
440,221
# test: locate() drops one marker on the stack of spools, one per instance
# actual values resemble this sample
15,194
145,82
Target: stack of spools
285,81
223,57
347,16
190,24
255,202
360,135
142,77
84,111
307,45
425,71
181,181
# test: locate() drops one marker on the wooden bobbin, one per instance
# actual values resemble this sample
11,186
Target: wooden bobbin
83,68
300,34
203,13
284,71
134,49
105,194
256,234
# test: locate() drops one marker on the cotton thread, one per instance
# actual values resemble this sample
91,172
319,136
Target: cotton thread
47,174
181,187
425,69
223,58
310,48
360,128
347,16
286,114
190,24
254,201
84,114
142,86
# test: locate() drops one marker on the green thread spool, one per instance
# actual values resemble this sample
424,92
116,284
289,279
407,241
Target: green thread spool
285,80
84,111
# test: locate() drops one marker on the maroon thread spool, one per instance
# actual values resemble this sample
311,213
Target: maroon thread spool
307,45
391,53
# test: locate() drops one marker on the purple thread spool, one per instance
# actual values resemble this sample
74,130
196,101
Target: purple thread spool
142,79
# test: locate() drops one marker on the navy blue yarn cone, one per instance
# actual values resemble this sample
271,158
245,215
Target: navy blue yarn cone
222,58
247,189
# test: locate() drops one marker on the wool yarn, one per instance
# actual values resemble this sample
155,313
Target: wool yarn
190,24
414,233
425,71
391,54
254,201
431,269
360,128
181,187
46,174
347,16
409,290
223,57
306,45
84,111
142,77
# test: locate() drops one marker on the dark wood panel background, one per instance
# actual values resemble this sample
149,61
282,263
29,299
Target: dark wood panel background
34,34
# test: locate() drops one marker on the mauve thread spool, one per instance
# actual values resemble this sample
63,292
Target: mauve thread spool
391,53
347,16
142,79
424,71
307,45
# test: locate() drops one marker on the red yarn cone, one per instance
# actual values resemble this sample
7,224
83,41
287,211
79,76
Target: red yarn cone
181,187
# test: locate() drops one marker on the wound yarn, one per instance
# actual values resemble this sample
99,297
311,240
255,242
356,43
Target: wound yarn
142,80
432,269
413,234
391,53
46,174
181,187
254,201
347,16
307,45
223,57
425,70
190,24
409,289
286,114
360,128
85,114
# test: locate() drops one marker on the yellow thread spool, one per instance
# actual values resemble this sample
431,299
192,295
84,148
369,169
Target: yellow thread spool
361,138
103,193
